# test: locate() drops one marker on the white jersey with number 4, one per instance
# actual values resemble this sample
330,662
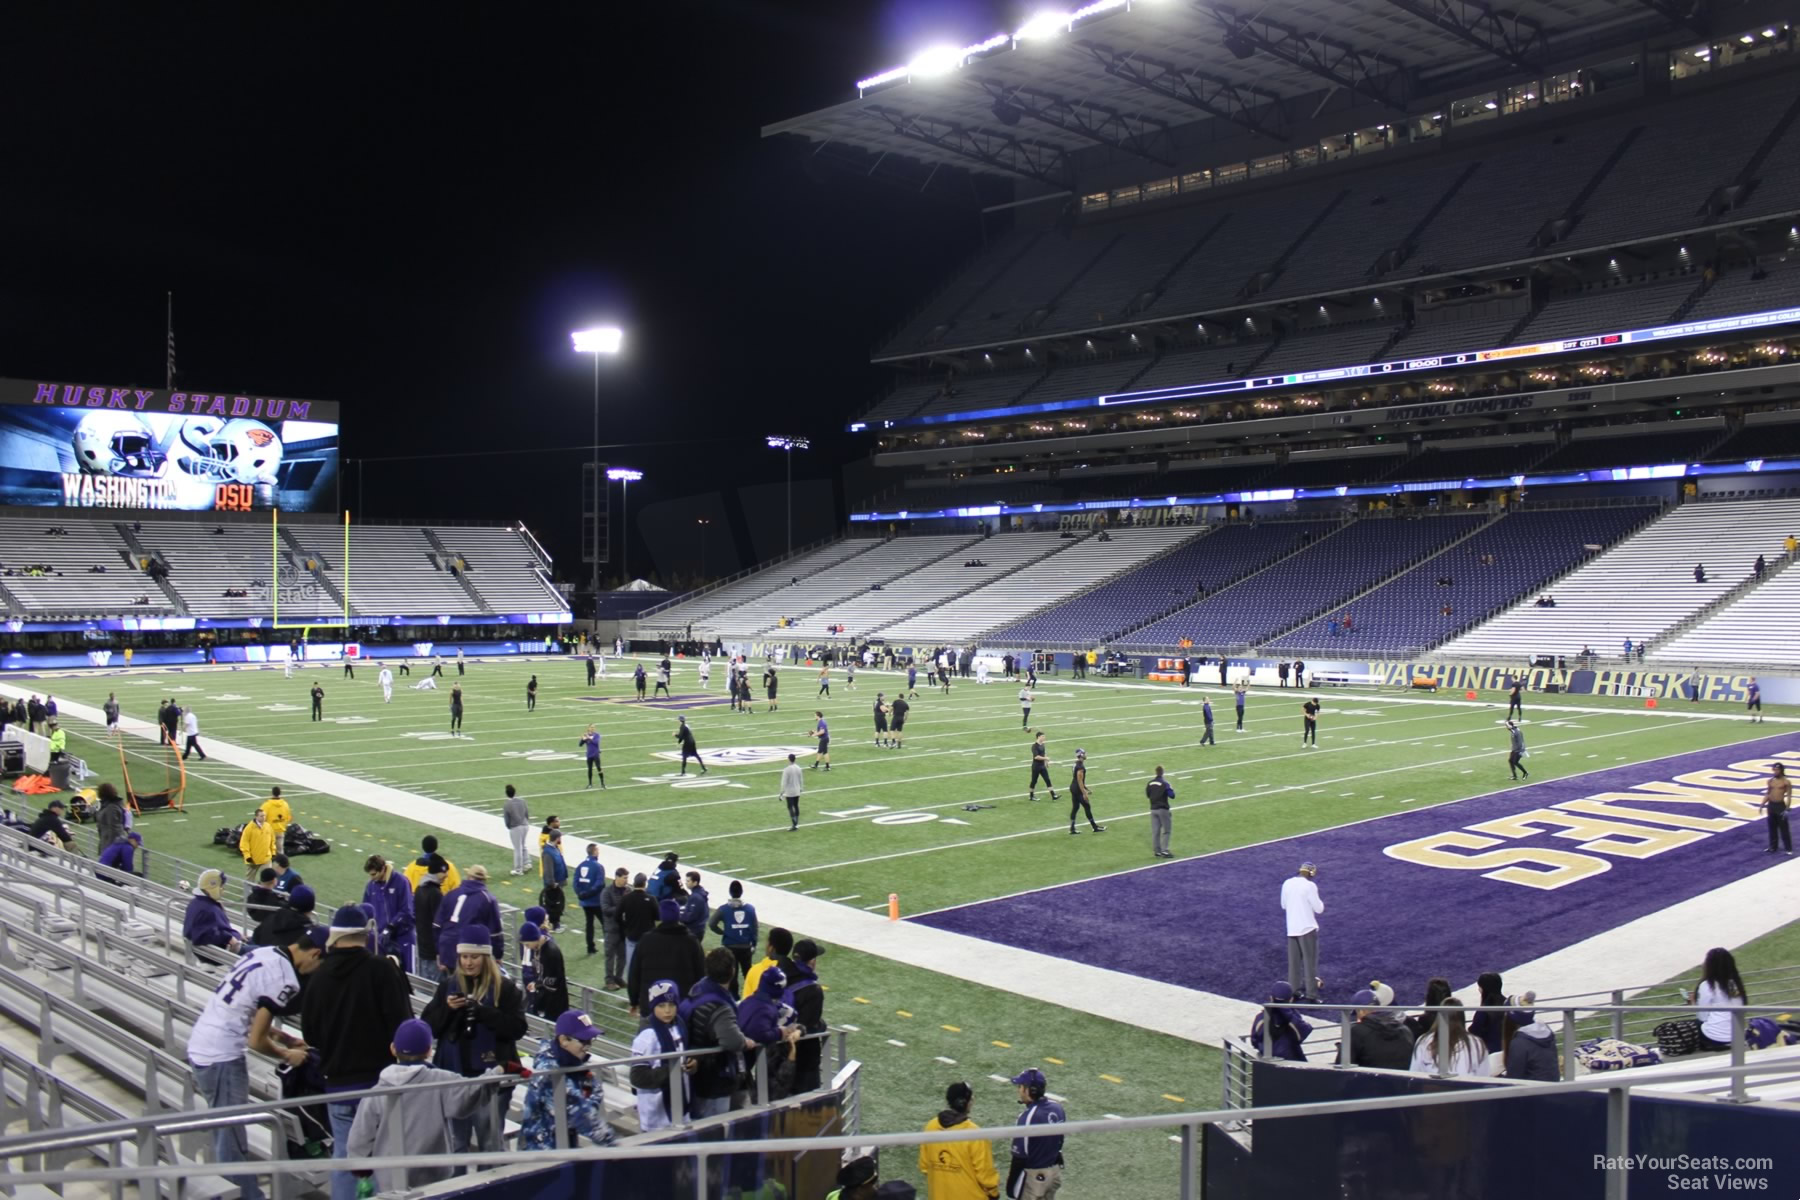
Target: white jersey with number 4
263,978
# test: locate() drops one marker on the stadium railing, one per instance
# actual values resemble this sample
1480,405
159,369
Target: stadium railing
152,1135
1615,1142
1614,1017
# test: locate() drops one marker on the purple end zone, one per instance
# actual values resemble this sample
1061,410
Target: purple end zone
1215,923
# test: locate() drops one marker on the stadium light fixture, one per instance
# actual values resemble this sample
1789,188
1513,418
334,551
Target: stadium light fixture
605,339
602,339
789,445
1043,25
934,61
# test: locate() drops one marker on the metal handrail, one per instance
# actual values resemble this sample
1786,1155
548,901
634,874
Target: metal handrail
1740,1018
1617,1087
197,1120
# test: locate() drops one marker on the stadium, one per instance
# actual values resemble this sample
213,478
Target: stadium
1362,455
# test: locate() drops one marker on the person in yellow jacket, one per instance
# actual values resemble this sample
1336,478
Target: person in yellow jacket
279,816
958,1170
59,742
257,843
416,869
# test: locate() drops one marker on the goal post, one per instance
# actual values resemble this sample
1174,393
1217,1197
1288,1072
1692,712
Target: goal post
293,579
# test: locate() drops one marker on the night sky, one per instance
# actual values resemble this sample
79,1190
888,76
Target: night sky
406,209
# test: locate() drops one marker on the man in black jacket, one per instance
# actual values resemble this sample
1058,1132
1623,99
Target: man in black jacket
263,901
549,996
348,1013
668,951
808,1001
427,898
711,1018
280,927
637,915
1378,1039
50,820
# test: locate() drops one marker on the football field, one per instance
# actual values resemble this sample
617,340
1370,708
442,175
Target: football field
1628,811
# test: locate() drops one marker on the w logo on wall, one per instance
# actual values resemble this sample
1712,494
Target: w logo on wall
99,658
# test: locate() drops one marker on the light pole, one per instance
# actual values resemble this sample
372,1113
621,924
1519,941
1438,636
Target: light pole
625,476
789,444
705,524
604,339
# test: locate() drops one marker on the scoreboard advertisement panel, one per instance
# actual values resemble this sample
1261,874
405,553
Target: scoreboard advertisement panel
92,446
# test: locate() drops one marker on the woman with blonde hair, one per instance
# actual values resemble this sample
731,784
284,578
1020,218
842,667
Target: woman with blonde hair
477,1017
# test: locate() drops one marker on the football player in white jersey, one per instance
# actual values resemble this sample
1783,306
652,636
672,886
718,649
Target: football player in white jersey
387,685
240,1017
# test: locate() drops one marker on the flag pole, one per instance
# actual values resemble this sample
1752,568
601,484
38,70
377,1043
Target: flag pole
169,342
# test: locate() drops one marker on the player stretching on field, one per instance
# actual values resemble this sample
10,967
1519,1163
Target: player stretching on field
1238,693
822,734
1079,795
1040,768
1309,729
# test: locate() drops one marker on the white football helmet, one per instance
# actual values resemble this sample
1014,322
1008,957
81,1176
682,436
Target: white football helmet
248,451
117,443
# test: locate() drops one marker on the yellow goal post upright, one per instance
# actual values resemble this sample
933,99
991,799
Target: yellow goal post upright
294,580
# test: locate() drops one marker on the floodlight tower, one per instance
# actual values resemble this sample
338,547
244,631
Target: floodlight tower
789,444
604,339
626,476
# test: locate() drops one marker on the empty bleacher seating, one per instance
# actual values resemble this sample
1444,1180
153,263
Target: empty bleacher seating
1318,579
704,605
1516,556
1080,565
1216,560
1484,203
206,561
1642,586
808,593
1760,628
1629,445
921,586
70,585
502,566
1448,460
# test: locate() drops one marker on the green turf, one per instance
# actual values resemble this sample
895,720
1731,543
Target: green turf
1378,753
